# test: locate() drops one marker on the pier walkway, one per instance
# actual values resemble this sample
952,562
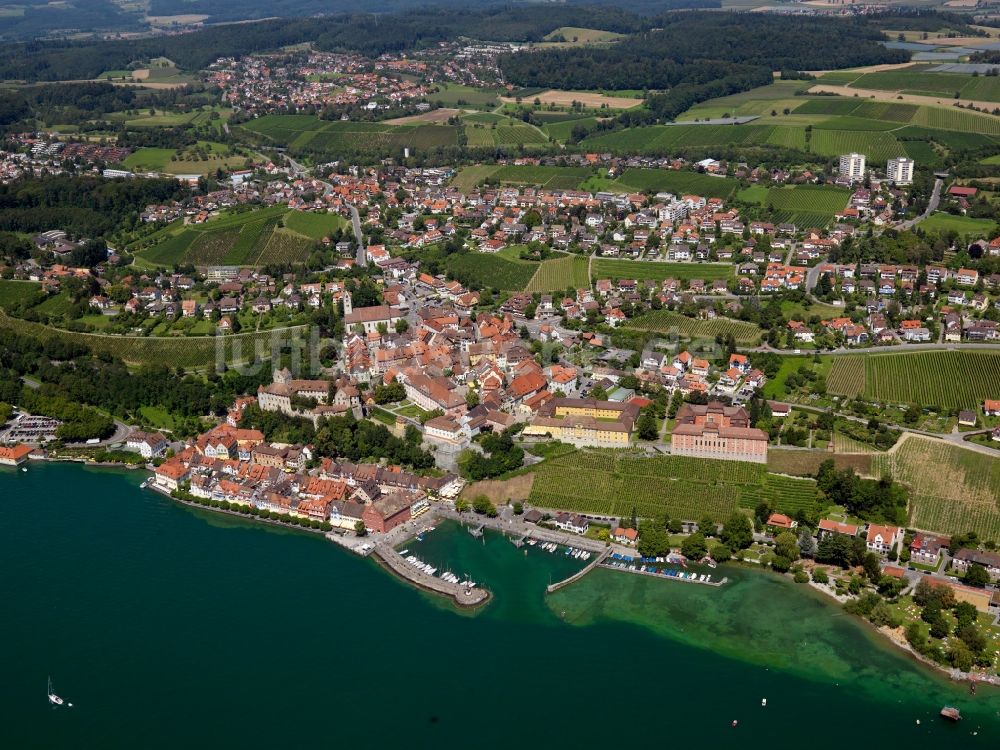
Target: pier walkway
580,573
633,569
463,595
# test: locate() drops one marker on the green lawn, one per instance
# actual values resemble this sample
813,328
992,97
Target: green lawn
964,225
314,225
157,416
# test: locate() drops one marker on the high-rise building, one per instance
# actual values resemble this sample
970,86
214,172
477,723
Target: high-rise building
900,170
852,166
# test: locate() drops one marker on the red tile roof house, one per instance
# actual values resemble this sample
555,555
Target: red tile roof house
882,539
926,548
14,455
828,528
779,521
171,474
625,536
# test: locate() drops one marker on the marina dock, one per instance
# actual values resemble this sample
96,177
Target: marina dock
464,595
674,575
580,573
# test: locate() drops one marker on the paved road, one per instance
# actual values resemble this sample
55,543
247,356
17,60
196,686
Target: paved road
932,205
877,350
358,237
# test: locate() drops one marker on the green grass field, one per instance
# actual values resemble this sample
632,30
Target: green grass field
665,322
657,271
457,95
185,161
619,482
557,274
964,225
313,225
952,489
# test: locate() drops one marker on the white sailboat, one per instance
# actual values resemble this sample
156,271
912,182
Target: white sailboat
54,699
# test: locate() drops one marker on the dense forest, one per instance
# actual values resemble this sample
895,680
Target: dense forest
35,18
370,34
707,54
83,389
88,205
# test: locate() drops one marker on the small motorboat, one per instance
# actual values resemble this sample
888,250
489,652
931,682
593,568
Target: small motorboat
951,713
763,701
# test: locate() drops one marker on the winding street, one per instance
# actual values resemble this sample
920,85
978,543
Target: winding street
932,205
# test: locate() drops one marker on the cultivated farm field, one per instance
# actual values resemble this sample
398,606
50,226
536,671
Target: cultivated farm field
665,321
311,136
945,379
481,270
677,182
616,482
659,270
557,274
552,178
847,376
952,489
13,292
247,238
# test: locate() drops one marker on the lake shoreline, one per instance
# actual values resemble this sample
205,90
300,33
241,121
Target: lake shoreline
885,634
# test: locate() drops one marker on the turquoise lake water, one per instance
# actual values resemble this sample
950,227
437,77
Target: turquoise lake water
170,627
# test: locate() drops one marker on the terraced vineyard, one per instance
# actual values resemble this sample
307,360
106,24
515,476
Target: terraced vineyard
480,271
242,238
193,352
311,136
557,274
504,135
952,489
552,178
608,482
807,462
658,271
847,376
946,379
665,321
807,205
677,182
13,292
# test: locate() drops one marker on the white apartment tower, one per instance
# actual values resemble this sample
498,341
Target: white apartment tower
852,166
900,170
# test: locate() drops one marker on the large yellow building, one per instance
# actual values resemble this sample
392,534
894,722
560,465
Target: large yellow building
585,422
